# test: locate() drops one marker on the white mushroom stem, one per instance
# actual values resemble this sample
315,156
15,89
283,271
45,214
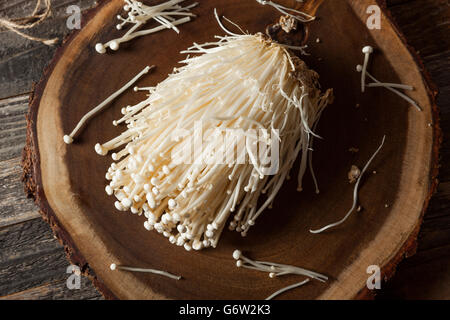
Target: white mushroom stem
355,193
88,116
367,50
168,14
310,160
293,286
114,266
387,84
275,269
296,14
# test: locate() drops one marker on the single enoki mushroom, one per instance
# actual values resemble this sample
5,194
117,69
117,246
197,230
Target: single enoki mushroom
240,83
168,14
355,193
114,266
69,138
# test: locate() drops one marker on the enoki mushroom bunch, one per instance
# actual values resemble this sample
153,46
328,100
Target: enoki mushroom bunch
244,82
169,15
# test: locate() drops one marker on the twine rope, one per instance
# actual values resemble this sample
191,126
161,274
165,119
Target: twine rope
28,22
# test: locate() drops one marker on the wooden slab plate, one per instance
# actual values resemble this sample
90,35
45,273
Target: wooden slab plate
68,181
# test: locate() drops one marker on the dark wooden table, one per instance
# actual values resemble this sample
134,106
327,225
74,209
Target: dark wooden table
32,262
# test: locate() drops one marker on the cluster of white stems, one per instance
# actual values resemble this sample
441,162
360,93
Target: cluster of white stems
244,82
274,269
277,270
168,14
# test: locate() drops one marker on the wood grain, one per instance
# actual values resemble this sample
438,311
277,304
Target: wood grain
14,205
13,126
31,258
57,290
426,26
427,266
22,61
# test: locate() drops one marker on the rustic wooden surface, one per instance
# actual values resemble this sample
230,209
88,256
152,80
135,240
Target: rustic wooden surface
32,262
26,242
